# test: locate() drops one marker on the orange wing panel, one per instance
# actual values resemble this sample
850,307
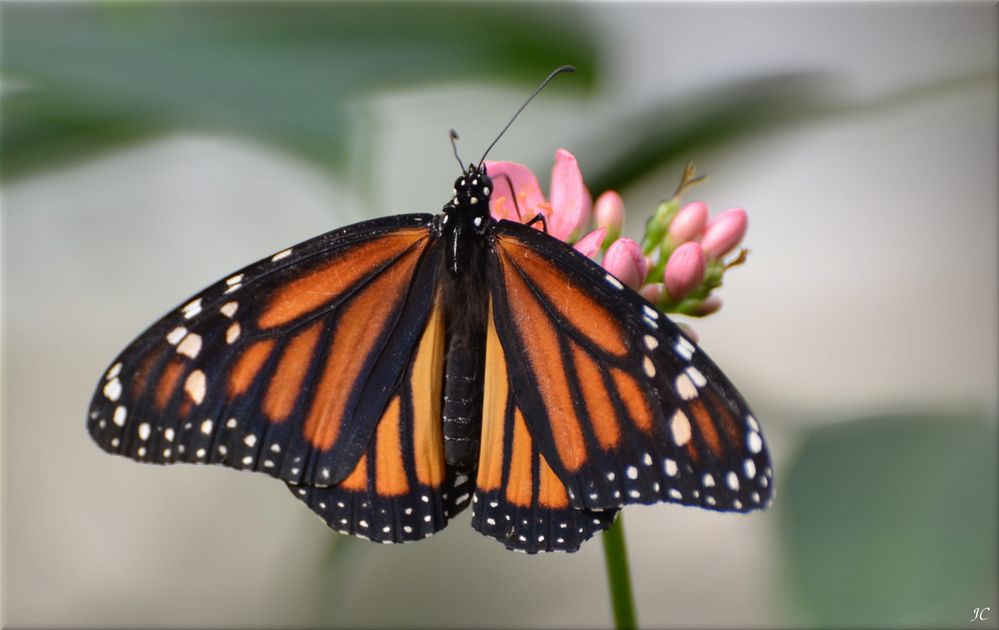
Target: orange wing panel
520,485
542,346
247,366
357,331
390,473
570,300
326,283
599,407
285,385
167,383
426,381
494,399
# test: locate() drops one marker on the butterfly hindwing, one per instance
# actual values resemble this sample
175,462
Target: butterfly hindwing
518,499
400,490
284,367
622,405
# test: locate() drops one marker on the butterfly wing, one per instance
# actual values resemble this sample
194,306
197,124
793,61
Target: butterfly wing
518,498
400,490
622,406
284,367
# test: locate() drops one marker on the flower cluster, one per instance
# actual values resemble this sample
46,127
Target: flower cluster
680,260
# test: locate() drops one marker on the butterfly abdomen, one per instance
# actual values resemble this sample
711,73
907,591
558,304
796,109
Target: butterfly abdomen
462,409
466,303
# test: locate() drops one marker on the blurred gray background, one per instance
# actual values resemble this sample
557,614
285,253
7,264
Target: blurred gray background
148,150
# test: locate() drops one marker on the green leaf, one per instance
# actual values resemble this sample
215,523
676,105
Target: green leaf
90,76
892,520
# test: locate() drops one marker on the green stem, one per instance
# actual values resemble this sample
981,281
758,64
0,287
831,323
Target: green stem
616,558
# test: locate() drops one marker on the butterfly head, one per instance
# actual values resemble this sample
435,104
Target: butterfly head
472,190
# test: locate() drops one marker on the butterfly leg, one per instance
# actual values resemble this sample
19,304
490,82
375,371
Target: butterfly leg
539,218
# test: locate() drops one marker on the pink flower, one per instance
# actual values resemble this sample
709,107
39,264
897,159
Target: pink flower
625,260
609,213
689,223
684,270
724,232
567,212
590,244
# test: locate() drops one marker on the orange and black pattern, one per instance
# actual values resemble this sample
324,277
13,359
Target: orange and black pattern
327,366
622,406
282,367
518,498
400,490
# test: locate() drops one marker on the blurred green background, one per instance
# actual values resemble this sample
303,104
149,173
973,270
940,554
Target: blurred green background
149,149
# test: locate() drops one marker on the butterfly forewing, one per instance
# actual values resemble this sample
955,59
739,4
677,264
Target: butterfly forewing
624,408
284,367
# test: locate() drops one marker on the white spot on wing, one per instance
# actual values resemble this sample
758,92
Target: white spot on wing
250,440
754,442
112,390
229,309
232,333
733,480
192,308
685,388
708,480
749,467
236,279
284,253
114,371
696,376
751,422
614,282
190,346
196,386
650,369
176,335
632,472
651,342
670,467
684,348
120,413
144,431
168,434
679,425
206,427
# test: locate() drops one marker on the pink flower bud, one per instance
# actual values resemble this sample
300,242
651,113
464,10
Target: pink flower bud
570,200
590,244
609,211
526,191
625,260
689,223
684,270
724,232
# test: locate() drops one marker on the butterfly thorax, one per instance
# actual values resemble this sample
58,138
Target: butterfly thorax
466,218
464,225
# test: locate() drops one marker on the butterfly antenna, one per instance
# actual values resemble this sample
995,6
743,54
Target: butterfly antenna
454,145
555,72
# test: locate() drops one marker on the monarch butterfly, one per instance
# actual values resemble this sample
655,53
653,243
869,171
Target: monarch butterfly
396,371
